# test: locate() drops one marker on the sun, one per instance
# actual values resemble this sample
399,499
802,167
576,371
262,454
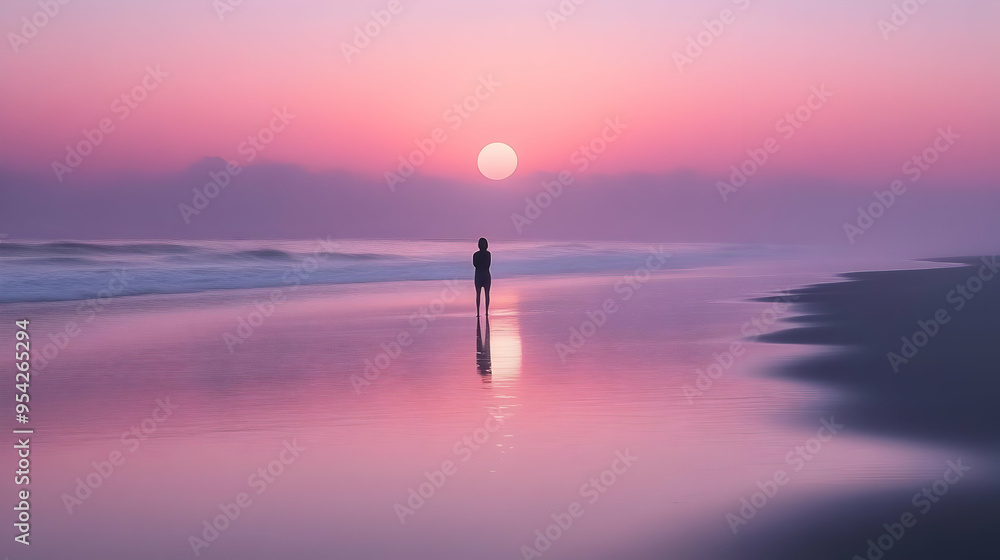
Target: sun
497,161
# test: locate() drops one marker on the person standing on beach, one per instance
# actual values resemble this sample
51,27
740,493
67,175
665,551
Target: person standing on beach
481,260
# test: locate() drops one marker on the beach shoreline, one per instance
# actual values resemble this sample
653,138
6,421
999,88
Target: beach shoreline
912,357
380,383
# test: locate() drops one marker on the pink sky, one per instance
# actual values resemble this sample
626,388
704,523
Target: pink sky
557,86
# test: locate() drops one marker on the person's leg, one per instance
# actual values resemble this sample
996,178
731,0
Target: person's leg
478,290
487,287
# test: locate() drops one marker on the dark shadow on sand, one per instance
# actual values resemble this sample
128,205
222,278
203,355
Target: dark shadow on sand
947,394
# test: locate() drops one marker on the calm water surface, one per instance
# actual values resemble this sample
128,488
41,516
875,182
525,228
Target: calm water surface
495,456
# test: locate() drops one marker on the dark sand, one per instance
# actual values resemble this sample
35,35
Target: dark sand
947,396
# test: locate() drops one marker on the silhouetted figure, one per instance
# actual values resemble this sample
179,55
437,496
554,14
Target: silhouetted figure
481,260
483,349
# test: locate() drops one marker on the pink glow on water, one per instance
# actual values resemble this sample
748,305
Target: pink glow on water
362,450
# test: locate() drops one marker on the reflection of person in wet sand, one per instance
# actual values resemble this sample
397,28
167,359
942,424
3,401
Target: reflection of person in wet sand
483,349
481,260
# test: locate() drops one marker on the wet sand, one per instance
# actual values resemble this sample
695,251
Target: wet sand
913,357
506,454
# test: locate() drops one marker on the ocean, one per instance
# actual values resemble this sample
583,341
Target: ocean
181,410
74,270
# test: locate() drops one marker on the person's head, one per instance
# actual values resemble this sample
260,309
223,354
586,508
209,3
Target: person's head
483,244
